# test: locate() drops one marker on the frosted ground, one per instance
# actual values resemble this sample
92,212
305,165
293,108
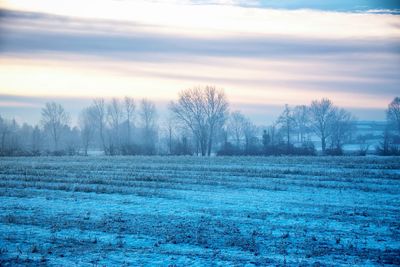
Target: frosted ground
179,211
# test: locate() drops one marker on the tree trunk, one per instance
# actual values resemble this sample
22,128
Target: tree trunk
210,139
86,149
3,140
55,138
102,139
170,140
323,144
203,146
129,130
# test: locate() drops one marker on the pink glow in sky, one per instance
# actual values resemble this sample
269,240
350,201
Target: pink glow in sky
154,49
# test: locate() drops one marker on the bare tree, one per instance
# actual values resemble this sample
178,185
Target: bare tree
342,126
393,114
286,120
216,107
301,120
4,131
36,140
99,115
87,128
54,118
129,111
330,122
236,127
148,120
148,114
72,139
115,113
14,143
273,133
170,134
322,114
250,131
115,116
189,110
203,110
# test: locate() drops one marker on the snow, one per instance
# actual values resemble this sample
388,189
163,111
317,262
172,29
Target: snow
239,211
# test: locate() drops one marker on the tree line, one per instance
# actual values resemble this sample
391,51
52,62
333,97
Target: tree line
199,123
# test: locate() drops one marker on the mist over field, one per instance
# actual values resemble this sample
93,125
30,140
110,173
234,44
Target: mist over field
199,133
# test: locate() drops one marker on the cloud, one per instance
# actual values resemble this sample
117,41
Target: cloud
252,46
37,32
261,57
386,6
228,2
218,20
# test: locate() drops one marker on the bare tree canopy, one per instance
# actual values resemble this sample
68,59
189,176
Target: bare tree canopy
148,114
322,114
341,128
130,106
236,127
54,118
99,114
286,120
330,122
4,131
216,110
393,113
189,110
115,115
301,120
87,126
250,131
148,122
203,110
199,124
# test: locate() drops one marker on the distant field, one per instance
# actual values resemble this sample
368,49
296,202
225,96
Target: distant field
179,211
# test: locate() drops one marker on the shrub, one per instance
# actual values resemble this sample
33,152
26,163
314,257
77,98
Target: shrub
336,151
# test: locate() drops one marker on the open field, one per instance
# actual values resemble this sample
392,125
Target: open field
179,211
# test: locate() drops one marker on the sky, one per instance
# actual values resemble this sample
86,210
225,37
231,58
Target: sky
264,54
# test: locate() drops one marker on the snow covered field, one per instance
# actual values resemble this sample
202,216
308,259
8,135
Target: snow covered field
179,211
